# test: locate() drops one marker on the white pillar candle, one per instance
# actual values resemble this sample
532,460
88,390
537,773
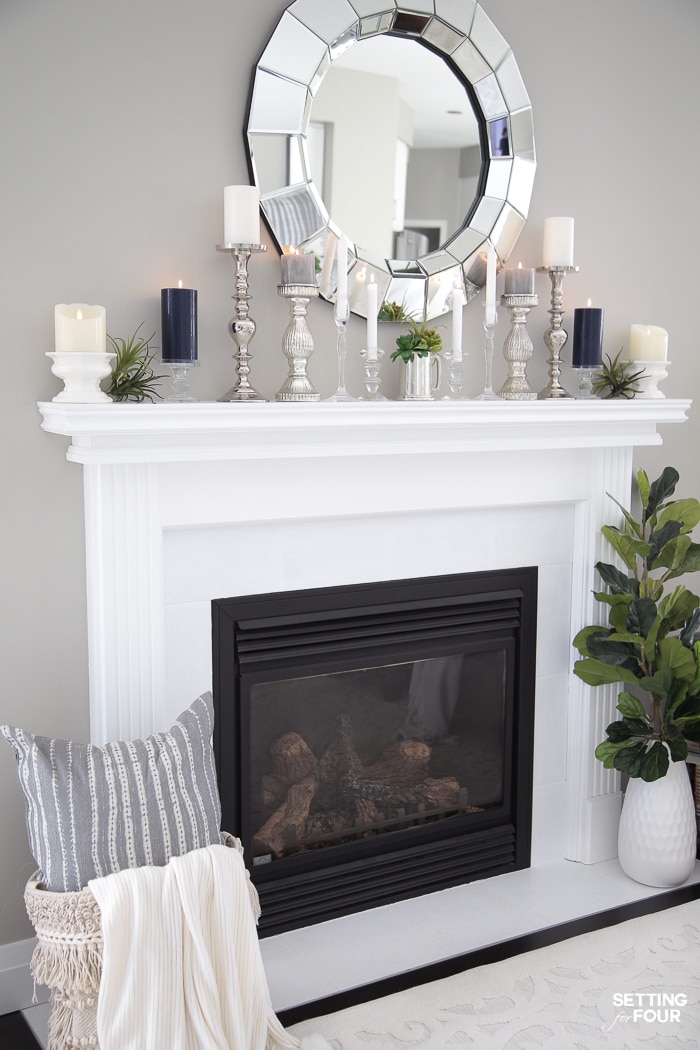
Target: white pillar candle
648,343
80,328
520,280
298,267
457,307
372,319
558,246
326,268
491,285
241,215
341,298
358,286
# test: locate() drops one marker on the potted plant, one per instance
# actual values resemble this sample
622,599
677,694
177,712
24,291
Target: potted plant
649,646
616,378
419,349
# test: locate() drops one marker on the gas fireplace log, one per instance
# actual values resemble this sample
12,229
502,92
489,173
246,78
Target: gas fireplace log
289,819
292,758
272,791
404,764
365,812
434,792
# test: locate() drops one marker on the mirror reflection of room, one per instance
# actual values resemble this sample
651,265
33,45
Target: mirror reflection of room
392,108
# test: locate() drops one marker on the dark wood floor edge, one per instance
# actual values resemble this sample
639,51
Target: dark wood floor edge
492,953
16,1034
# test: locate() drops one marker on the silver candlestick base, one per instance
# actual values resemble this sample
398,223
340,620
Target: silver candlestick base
555,337
241,327
371,357
297,344
517,348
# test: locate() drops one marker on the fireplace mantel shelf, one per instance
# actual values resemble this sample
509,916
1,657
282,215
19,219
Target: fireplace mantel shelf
131,433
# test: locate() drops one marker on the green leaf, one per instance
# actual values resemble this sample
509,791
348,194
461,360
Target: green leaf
618,582
626,729
690,627
671,654
641,616
660,490
690,562
607,752
631,706
686,511
672,555
633,524
677,744
629,759
629,549
643,486
594,672
610,652
660,683
581,639
654,763
659,538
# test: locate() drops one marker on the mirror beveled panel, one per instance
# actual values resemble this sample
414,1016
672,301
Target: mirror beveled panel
292,159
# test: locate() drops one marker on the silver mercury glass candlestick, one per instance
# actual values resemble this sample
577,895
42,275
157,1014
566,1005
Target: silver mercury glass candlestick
555,337
517,348
241,327
297,344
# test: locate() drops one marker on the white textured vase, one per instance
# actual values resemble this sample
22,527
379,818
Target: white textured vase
657,839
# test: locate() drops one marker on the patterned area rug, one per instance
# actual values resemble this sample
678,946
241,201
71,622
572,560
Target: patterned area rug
627,987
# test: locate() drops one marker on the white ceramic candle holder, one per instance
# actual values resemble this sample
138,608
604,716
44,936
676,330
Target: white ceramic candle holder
654,373
81,372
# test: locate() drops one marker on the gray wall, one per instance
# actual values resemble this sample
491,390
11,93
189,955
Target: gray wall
121,123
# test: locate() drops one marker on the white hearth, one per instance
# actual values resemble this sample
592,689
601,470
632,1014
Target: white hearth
185,503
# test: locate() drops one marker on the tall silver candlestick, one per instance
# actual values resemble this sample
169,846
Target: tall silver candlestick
517,348
297,344
555,337
241,327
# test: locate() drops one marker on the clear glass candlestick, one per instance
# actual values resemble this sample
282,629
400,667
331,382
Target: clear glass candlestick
371,358
585,382
488,393
455,375
180,378
341,324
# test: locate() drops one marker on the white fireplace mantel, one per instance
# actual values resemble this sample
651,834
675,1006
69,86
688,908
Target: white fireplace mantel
189,502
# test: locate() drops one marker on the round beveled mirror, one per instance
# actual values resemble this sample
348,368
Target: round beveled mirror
403,124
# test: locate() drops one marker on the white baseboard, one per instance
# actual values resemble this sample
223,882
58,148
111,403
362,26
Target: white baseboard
16,983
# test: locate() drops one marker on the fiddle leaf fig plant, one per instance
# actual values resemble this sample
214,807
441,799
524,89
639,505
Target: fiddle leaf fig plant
419,341
649,645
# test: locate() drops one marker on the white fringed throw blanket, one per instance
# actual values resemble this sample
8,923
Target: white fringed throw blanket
182,968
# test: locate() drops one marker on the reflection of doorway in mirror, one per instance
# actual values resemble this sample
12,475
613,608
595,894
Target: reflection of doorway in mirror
319,139
499,137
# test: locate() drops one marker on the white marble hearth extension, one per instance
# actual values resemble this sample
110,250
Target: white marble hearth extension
185,503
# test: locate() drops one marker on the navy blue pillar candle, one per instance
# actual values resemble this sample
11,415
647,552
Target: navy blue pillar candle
178,312
587,350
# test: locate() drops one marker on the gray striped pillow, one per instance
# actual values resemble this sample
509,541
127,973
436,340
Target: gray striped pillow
94,810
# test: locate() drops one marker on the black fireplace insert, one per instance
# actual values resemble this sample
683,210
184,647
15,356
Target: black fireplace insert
375,741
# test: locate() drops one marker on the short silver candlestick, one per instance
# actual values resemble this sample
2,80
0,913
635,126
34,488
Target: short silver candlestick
371,366
555,337
241,327
297,344
517,348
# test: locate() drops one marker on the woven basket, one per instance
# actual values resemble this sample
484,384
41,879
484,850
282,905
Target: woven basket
68,957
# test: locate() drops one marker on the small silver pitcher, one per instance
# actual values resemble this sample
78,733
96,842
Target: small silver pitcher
419,380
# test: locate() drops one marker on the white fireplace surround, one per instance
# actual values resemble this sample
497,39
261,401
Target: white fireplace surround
189,502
